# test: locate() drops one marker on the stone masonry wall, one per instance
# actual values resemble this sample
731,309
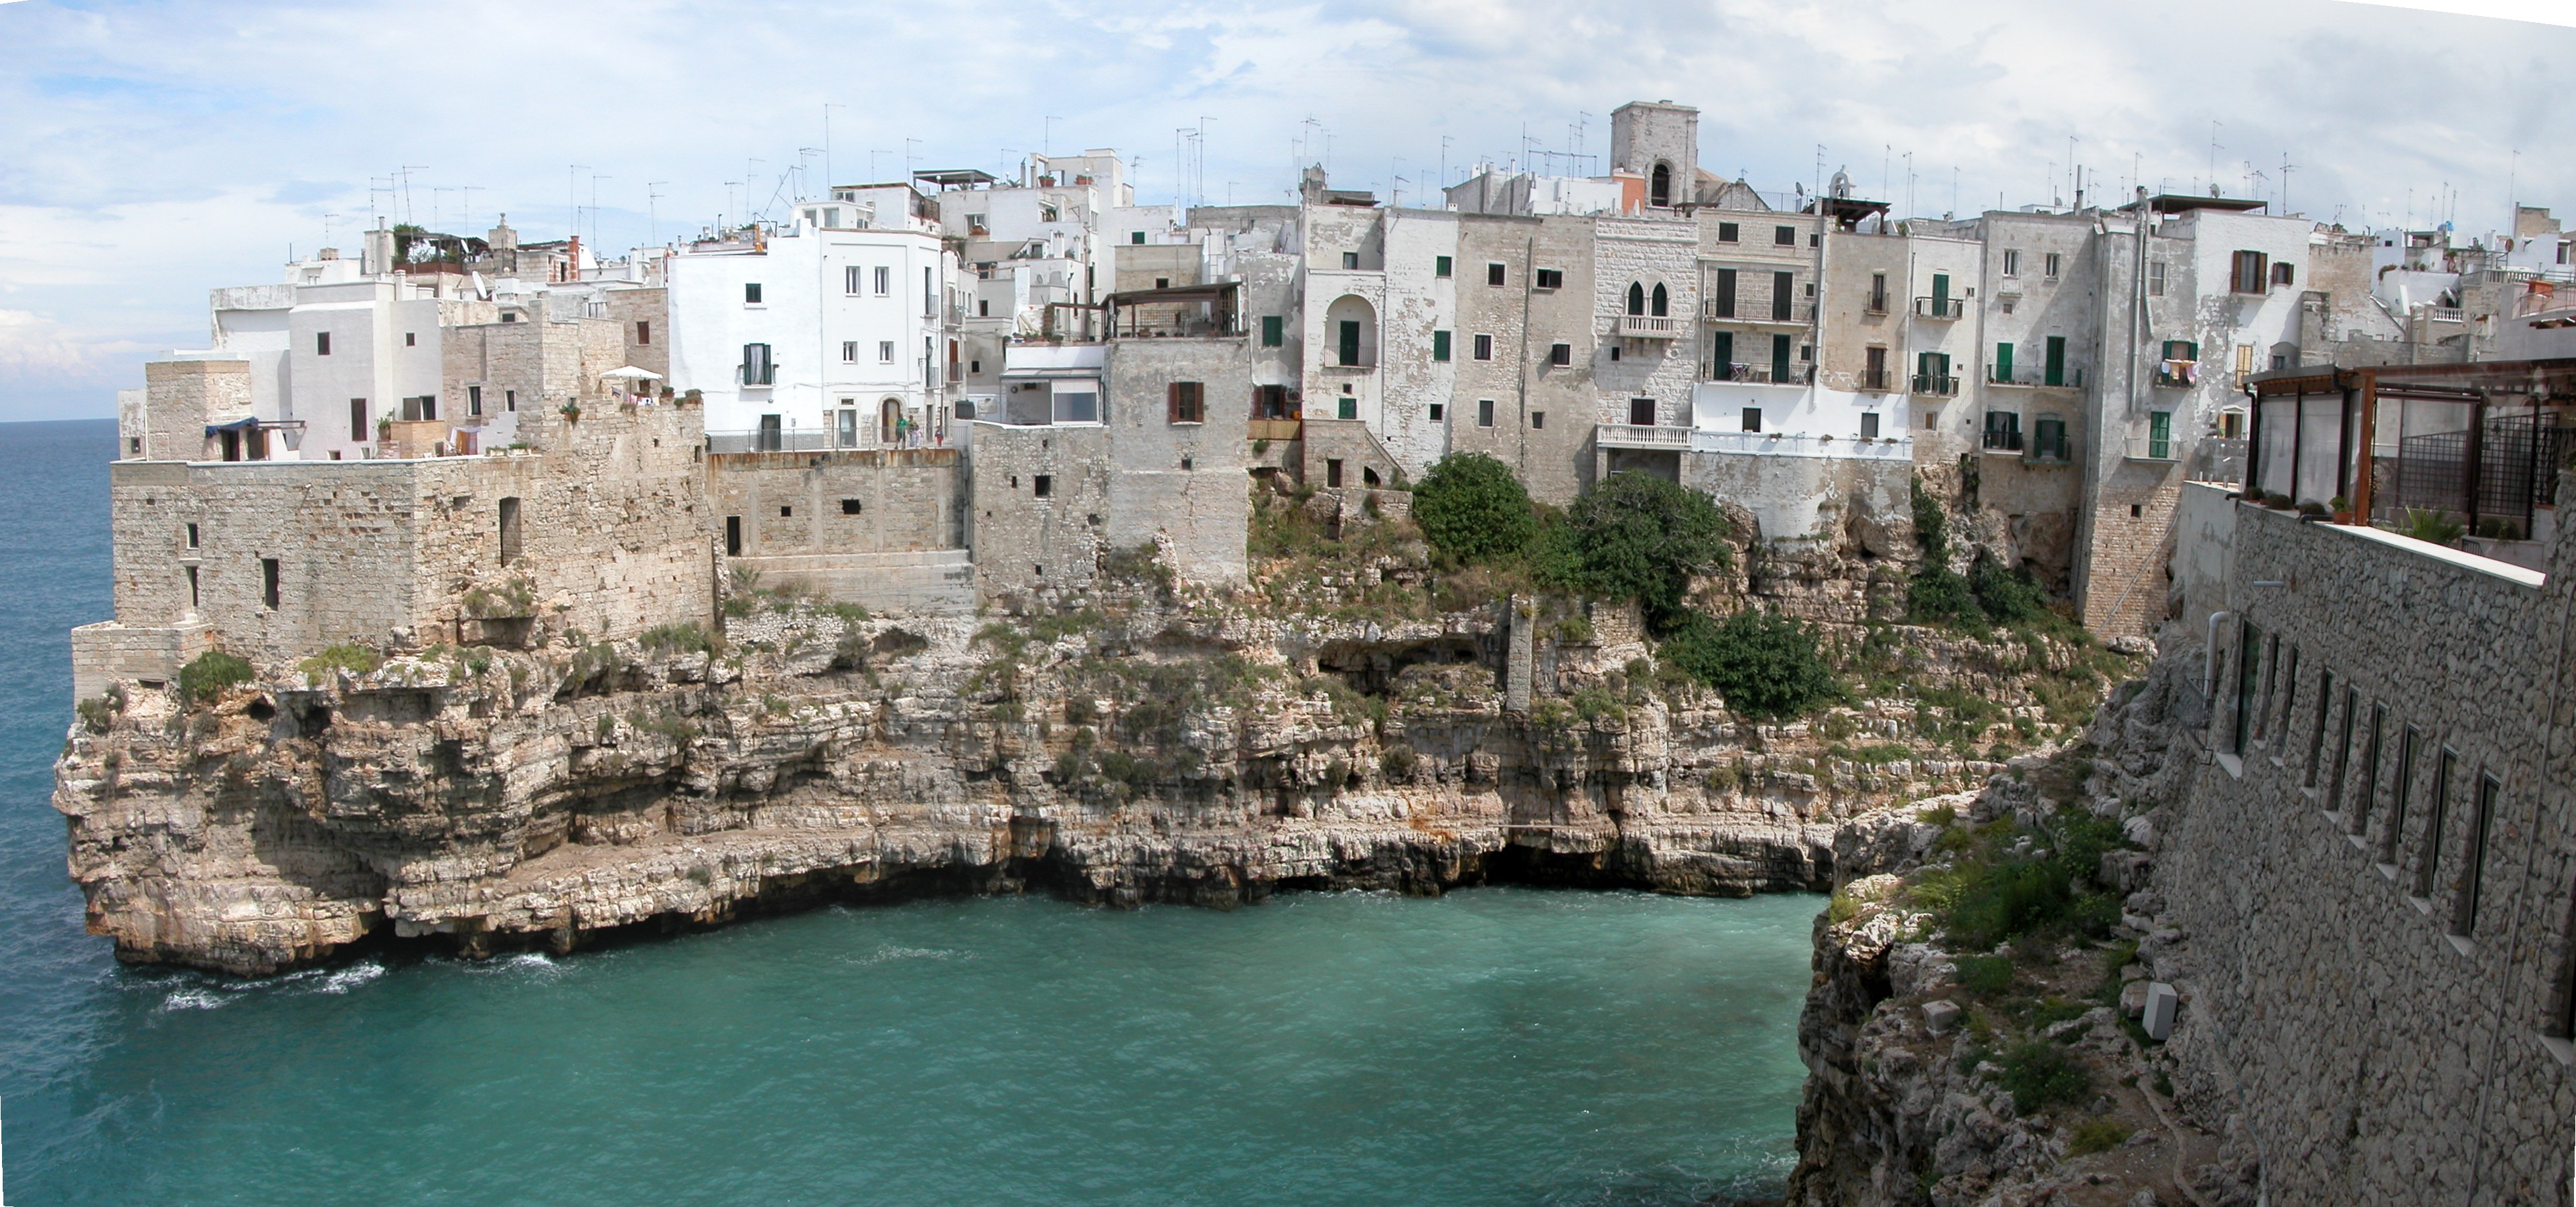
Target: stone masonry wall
907,499
1026,544
2388,1045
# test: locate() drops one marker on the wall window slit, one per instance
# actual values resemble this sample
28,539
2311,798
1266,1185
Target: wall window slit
509,531
2464,917
2317,733
2428,868
268,582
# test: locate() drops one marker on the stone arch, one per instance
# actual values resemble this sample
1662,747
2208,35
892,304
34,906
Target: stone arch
1659,192
1636,298
1350,332
889,412
1663,302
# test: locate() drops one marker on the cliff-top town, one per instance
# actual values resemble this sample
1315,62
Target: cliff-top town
981,534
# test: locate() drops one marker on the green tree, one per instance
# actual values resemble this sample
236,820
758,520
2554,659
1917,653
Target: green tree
2006,596
1766,665
1635,537
1471,508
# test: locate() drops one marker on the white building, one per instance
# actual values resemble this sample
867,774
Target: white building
834,332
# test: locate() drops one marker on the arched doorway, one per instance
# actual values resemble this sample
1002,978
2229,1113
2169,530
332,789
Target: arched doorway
1350,332
889,418
1661,192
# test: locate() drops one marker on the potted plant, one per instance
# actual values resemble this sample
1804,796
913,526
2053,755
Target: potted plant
2342,510
570,410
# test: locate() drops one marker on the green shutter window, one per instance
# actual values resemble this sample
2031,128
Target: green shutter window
1721,355
1440,266
2160,435
1439,345
1940,295
1274,331
1350,342
2003,363
1348,409
2056,367
1779,358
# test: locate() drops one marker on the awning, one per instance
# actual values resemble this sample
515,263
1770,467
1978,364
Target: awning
255,424
632,373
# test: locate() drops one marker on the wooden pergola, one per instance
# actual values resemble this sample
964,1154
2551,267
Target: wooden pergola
2356,393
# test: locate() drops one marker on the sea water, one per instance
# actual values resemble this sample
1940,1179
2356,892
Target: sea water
1493,1046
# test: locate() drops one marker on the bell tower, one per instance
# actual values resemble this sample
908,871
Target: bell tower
1659,141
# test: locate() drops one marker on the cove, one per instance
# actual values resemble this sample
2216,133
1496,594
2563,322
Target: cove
1493,1046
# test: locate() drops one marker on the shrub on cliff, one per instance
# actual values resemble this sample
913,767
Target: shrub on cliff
2040,1074
210,675
1635,537
2006,596
1764,664
1938,595
1472,509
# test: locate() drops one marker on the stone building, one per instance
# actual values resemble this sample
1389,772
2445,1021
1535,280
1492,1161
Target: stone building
881,528
2381,787
599,527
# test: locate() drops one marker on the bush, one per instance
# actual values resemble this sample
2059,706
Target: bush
2098,1136
1397,763
685,637
1931,526
2038,1073
99,713
2006,596
1471,508
210,675
1635,537
1986,976
1937,595
346,656
1763,664
2432,525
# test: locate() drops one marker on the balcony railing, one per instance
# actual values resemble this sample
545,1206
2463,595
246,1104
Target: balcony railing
2149,448
1798,375
758,375
2072,378
1787,444
1275,429
1800,314
1944,309
1638,435
2443,314
2003,440
1877,304
1874,381
2177,374
1647,326
1936,386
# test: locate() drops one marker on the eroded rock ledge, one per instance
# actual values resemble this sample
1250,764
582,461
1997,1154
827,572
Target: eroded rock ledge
1152,751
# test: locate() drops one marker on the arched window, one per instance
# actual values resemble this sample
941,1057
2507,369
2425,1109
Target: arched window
889,413
1636,298
1663,301
1662,194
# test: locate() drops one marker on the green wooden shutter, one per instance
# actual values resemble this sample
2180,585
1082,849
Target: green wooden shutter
2056,360
2159,434
1274,331
2003,362
1940,294
1350,342
1439,345
1779,358
1721,353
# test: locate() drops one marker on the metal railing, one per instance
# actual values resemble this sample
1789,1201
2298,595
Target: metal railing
1788,444
1874,380
1799,375
757,375
1639,435
2000,440
1647,326
2149,448
1877,304
1940,308
2072,378
1799,314
1936,385
772,440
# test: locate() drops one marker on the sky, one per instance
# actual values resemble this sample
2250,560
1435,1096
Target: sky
150,152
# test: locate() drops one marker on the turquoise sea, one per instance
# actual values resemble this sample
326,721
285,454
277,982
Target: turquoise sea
1495,1046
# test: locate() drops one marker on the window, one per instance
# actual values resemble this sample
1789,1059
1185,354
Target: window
1752,419
2181,349
1484,412
884,282
192,536
1560,354
1274,331
358,419
1878,292
1551,278
2244,358
2249,656
983,308
1439,345
1538,419
1135,237
1333,471
1188,401
321,343
1660,305
845,422
2473,876
509,400
1783,296
1350,260
473,400
1271,402
757,368
751,293
1780,358
2317,732
1346,407
786,513
1484,347
1494,274
192,586
885,351
849,352
411,339
509,525
2155,278
2159,435
2248,276
1437,411
268,582
733,536
2363,799
1636,298
2049,265
1785,236
2012,261
1347,348
643,332
1728,232
1440,266
850,279
1726,293
2402,796
1659,190
2284,274
2428,868
1869,425
1043,485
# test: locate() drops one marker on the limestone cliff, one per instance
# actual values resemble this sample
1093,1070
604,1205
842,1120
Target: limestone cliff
1145,743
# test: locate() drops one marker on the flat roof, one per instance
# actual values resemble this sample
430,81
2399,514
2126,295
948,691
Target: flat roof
2177,203
945,177
2321,379
1177,293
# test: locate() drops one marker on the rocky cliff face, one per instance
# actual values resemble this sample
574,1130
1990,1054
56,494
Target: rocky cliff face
1143,744
1945,1072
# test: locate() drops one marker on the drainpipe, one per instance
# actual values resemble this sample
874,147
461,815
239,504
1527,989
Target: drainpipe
2209,663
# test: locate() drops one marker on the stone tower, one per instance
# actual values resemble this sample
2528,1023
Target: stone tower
1659,141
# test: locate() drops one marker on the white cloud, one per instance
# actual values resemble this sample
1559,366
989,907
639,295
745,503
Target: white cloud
154,152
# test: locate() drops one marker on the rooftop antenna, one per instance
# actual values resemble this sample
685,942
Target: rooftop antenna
873,178
409,214
572,208
2286,169
1582,122
2214,148
468,219
1444,161
1046,147
595,178
1198,163
829,179
804,182
908,158
653,212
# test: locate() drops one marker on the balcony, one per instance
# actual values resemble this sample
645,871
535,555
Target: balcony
1935,386
2178,374
1944,309
1639,435
1873,381
1799,315
1791,444
1275,429
1762,375
2444,314
1645,326
2150,448
757,375
2071,378
1877,304
2002,440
